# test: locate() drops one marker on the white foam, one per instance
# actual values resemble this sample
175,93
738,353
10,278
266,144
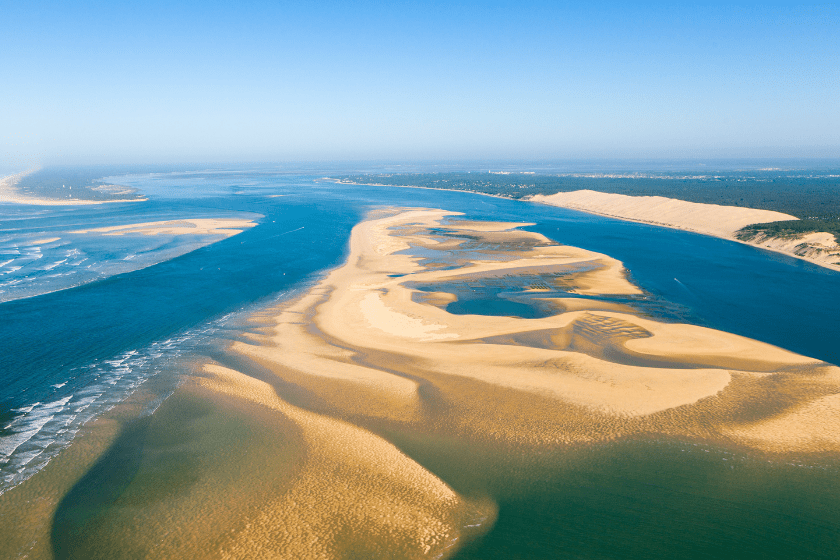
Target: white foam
41,430
25,427
54,264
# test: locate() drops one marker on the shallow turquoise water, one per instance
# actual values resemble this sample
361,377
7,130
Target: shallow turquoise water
67,355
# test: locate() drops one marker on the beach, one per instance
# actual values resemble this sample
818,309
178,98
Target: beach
373,333
10,194
445,372
708,219
200,226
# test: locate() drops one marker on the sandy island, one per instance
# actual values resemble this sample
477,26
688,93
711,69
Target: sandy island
372,347
9,194
282,434
192,226
709,219
592,371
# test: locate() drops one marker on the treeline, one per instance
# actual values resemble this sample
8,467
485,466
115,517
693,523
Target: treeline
80,182
800,196
791,228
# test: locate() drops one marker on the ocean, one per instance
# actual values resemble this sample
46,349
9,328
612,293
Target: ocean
86,319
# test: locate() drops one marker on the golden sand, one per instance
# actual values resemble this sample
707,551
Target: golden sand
367,350
355,490
278,448
710,219
43,241
202,226
365,340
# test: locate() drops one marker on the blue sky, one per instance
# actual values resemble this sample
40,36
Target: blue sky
132,82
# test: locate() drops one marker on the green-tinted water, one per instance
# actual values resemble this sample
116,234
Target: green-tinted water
640,499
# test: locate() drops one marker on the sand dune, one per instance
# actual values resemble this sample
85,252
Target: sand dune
818,247
709,219
367,341
283,446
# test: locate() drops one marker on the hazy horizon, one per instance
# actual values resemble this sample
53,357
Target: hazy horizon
165,83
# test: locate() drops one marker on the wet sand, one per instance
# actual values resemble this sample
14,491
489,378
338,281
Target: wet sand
598,373
9,194
284,443
196,226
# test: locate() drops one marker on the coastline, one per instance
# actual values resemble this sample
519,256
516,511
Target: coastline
781,246
10,195
283,441
367,330
610,205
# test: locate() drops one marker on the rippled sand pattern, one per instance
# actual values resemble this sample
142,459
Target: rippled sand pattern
354,492
367,344
283,444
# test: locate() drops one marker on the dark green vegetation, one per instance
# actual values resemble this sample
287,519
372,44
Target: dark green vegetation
792,228
74,182
813,197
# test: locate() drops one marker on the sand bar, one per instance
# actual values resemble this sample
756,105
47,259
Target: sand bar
283,439
193,226
9,194
591,371
708,219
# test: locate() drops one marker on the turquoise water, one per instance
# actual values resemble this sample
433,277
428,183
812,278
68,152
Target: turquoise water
90,338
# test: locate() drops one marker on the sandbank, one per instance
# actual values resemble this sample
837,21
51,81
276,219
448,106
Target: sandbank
9,194
276,446
708,219
201,226
592,371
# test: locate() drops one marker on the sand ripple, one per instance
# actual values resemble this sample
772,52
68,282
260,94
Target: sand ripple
366,343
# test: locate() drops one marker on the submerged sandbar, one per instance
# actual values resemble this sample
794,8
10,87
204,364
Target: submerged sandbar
284,444
597,373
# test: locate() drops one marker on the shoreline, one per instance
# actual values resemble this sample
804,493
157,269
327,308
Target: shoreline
290,427
544,199
758,245
10,195
371,307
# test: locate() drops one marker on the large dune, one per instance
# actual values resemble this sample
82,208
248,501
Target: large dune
375,336
708,219
288,443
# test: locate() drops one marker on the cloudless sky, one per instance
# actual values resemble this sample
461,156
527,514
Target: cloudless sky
174,81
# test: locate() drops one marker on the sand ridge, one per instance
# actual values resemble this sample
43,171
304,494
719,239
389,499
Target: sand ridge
190,226
591,371
351,479
709,219
290,445
9,194
817,247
